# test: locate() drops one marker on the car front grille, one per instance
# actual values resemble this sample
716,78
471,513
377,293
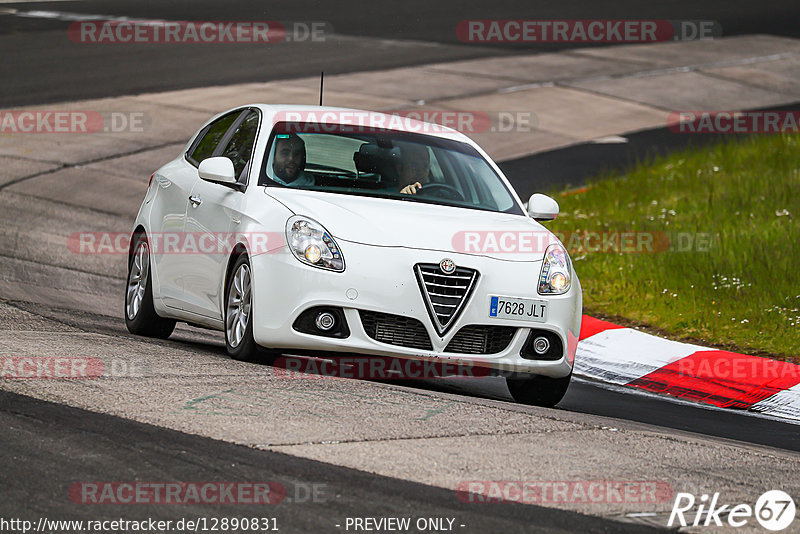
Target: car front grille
395,330
444,294
481,339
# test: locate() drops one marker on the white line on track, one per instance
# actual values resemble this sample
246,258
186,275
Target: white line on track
68,17
34,1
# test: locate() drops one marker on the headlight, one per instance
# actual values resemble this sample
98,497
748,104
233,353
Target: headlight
311,243
556,275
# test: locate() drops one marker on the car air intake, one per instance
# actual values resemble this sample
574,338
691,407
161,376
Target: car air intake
444,294
395,330
480,339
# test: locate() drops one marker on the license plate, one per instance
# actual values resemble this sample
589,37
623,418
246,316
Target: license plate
519,309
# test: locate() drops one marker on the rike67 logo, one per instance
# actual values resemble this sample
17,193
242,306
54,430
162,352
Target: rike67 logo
774,510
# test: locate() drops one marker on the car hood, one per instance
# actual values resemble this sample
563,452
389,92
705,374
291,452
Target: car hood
393,223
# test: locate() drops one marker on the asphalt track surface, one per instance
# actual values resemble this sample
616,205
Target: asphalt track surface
41,65
49,445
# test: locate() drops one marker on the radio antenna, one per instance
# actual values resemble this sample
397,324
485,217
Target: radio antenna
321,79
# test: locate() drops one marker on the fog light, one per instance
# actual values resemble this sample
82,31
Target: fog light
541,345
325,321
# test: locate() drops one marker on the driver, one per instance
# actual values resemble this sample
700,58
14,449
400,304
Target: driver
290,160
413,167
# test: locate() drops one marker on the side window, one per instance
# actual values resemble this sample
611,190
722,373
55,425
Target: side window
240,147
204,147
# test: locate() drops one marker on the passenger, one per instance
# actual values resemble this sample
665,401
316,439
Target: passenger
289,161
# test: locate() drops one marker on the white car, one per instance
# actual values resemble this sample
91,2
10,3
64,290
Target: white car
325,231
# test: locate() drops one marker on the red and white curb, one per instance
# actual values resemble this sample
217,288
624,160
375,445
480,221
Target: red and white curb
625,357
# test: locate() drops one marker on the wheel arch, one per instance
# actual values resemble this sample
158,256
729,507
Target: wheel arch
240,249
139,230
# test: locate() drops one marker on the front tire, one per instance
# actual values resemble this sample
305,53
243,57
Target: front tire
239,313
140,315
538,390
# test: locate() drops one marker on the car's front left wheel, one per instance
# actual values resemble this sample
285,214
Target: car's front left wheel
140,315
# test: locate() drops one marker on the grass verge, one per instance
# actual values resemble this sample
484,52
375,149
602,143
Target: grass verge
701,245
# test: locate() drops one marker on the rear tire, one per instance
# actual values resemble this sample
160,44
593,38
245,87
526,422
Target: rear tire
538,390
140,315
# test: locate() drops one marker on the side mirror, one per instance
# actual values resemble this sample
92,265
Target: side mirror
218,170
542,208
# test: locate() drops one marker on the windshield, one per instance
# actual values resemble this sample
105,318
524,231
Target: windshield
386,164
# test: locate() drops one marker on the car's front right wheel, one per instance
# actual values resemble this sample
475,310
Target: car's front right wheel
538,390
239,312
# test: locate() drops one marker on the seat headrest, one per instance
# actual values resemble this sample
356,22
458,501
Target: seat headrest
371,158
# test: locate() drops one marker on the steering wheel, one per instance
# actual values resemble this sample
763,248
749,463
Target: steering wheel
445,191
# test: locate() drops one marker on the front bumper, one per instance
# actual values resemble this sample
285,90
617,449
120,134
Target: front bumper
382,279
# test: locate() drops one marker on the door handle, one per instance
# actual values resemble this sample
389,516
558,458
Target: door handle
195,200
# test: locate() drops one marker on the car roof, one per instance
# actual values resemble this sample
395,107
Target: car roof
337,115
